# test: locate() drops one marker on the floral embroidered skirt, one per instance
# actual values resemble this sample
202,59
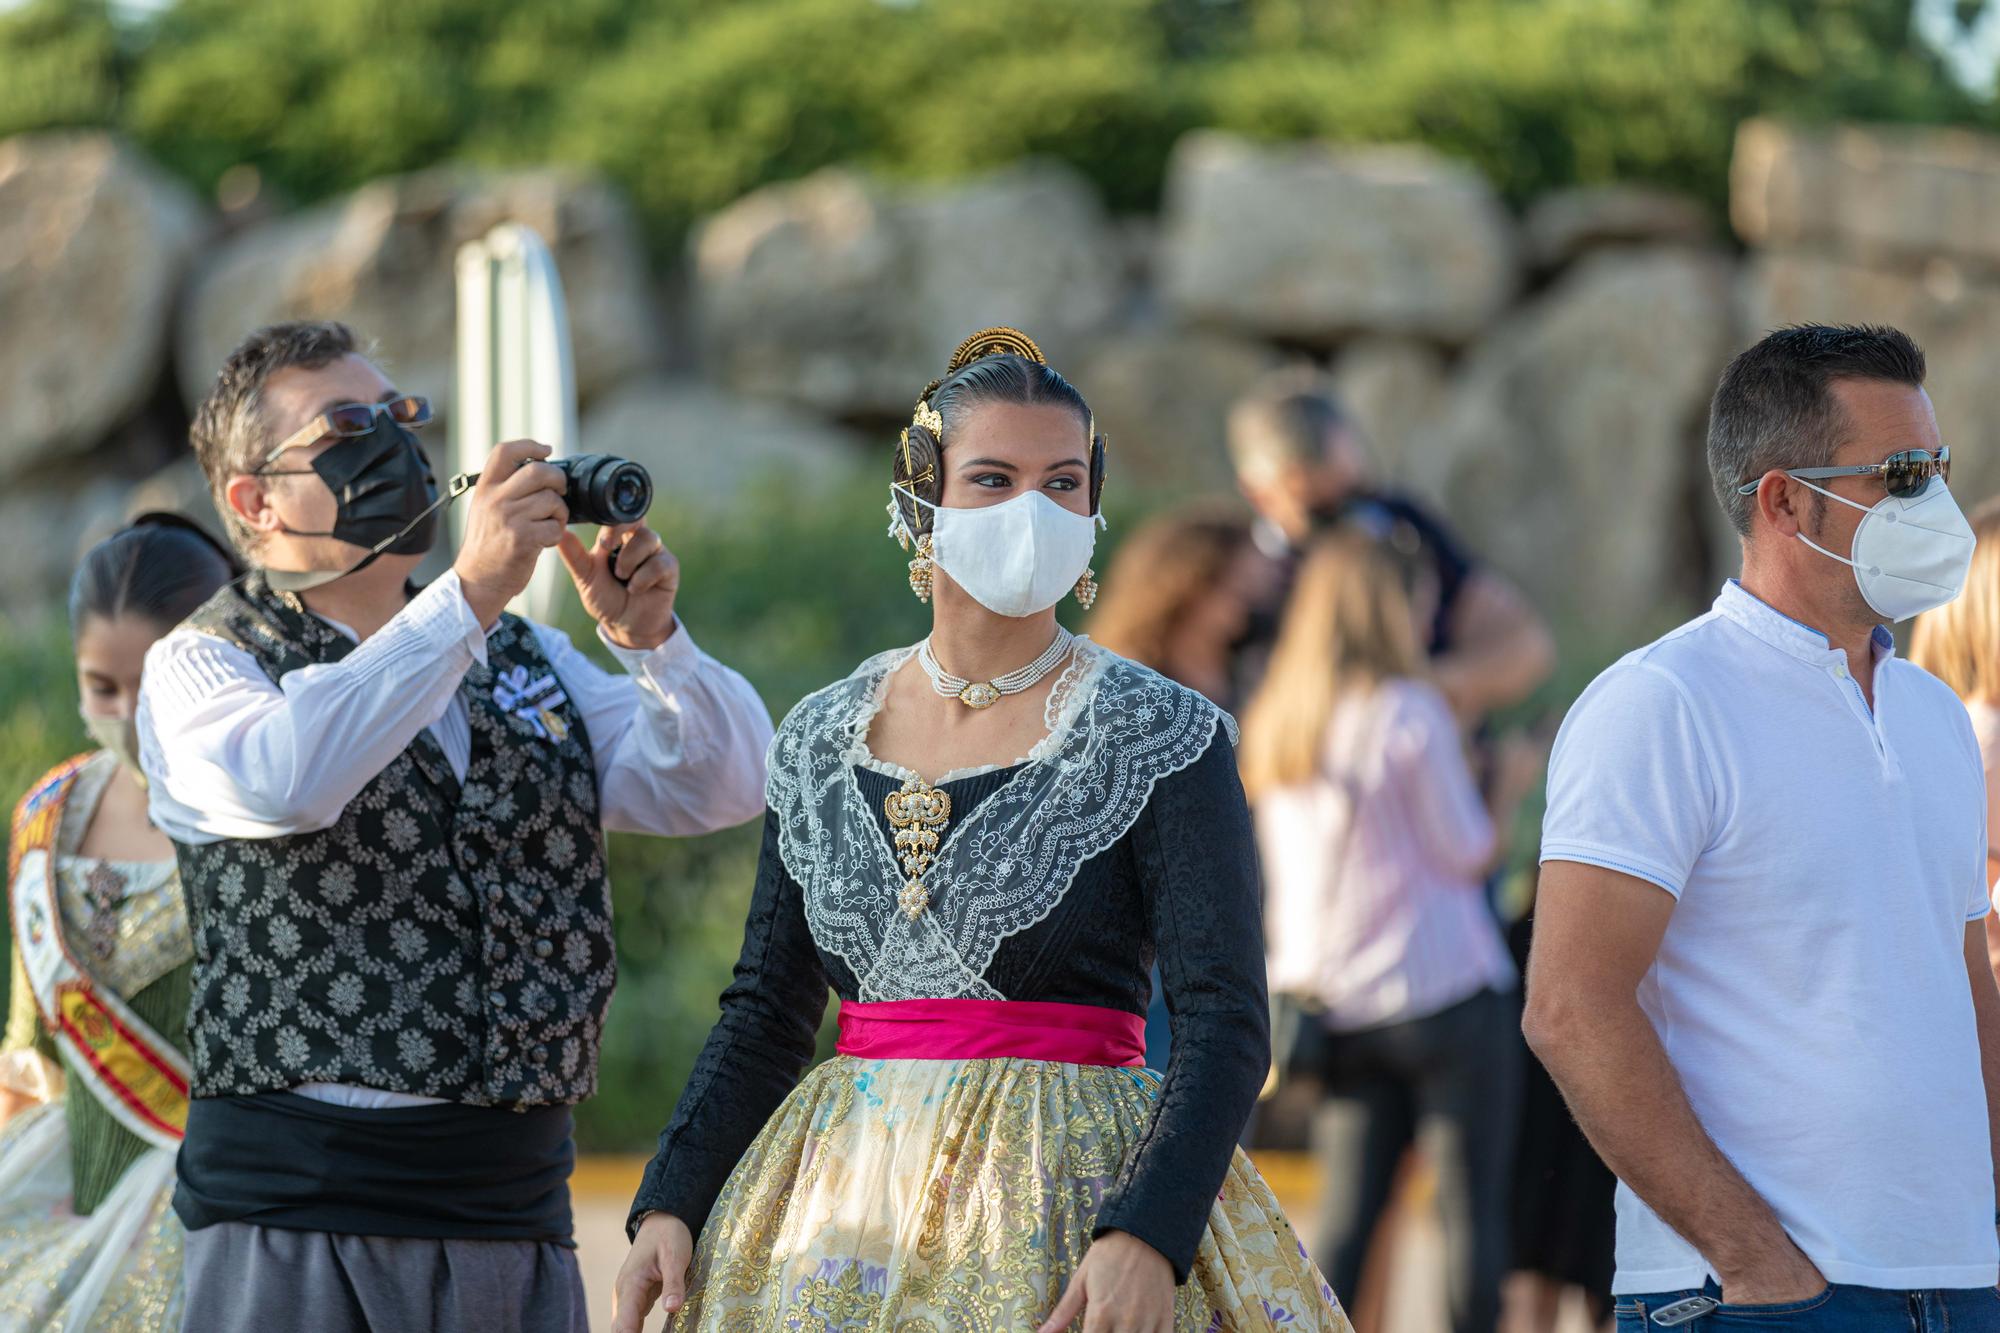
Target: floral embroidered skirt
960,1194
117,1269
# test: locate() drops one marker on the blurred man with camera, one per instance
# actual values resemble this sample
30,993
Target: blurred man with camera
388,806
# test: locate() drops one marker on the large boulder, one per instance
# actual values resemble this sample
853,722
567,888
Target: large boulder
382,259
1564,224
94,243
1162,399
1880,194
1954,318
1312,243
845,294
705,446
1395,390
49,524
1570,450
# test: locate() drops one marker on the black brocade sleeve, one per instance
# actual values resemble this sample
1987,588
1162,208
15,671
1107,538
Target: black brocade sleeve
1198,859
754,1054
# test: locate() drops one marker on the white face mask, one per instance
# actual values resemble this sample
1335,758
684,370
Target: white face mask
119,735
1016,558
1910,556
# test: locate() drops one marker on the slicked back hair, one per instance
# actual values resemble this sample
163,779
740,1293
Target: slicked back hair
1774,407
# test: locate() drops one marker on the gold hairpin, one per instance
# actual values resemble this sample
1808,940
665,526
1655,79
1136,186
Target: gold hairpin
994,342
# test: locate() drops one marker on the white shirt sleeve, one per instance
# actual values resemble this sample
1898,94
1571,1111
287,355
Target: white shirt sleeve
679,739
230,753
1631,788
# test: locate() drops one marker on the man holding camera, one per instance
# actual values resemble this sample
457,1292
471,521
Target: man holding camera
388,806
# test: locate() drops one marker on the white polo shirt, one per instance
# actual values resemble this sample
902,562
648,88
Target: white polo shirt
1811,988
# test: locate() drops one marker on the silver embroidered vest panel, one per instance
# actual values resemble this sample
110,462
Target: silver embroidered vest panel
443,939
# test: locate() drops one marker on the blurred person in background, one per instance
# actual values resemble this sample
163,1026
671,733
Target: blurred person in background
1760,973
1177,599
1376,845
1304,466
983,868
93,1070
1959,643
389,808
1179,594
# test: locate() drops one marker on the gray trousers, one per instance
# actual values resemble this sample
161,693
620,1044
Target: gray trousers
250,1279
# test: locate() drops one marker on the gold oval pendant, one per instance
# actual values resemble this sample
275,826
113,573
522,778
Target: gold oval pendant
979,694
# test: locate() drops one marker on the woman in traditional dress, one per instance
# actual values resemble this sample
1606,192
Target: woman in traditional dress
984,866
93,1078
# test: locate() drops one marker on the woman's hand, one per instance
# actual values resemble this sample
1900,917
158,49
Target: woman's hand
1123,1285
656,1269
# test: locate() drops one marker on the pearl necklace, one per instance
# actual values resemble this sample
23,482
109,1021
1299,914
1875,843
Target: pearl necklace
980,694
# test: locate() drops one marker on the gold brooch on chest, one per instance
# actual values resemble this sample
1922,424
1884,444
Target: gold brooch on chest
918,812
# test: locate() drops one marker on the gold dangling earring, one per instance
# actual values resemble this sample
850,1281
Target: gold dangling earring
920,569
1086,589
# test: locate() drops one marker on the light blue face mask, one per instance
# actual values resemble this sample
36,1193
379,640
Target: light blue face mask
1909,555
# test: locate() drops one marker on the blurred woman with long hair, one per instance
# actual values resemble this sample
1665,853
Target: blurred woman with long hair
1179,596
1376,844
1177,599
1959,643
93,1069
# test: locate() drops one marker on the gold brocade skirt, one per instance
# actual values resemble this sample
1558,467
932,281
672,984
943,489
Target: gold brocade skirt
117,1270
914,1195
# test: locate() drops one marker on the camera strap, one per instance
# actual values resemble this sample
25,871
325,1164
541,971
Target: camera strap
301,580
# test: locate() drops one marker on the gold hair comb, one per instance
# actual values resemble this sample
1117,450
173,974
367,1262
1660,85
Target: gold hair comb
994,342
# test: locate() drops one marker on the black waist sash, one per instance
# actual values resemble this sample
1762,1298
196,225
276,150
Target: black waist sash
446,1172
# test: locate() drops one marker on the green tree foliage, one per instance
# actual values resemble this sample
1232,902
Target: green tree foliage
59,66
690,103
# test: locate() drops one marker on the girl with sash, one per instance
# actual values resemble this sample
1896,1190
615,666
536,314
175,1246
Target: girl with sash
985,867
93,1076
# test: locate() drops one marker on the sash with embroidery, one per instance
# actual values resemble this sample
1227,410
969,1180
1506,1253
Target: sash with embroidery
139,1077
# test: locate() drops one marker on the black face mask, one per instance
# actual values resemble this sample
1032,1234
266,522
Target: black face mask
382,483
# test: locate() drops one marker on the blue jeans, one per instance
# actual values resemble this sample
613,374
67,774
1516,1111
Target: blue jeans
1838,1309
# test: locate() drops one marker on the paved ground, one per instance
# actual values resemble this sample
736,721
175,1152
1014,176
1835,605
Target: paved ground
604,1189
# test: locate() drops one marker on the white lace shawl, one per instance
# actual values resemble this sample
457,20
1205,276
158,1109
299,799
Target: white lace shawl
1115,729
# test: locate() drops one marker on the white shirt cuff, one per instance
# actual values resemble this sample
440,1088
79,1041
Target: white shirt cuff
677,653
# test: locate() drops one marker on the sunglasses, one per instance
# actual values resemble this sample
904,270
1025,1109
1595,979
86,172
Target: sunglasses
1905,475
353,419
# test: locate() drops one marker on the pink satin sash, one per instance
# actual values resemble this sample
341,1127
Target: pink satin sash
1076,1034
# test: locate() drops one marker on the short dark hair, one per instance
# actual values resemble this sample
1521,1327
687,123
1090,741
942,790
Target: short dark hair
160,566
229,432
1772,408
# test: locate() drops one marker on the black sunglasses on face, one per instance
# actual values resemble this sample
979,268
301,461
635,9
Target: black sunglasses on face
1905,475
353,419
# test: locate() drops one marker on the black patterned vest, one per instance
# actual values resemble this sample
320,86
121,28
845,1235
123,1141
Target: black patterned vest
442,939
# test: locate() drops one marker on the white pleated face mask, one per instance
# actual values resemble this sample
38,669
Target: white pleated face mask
1016,558
1910,556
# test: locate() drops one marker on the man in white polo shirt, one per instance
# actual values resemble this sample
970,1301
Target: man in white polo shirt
1760,973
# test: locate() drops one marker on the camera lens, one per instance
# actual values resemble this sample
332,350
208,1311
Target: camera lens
606,490
629,492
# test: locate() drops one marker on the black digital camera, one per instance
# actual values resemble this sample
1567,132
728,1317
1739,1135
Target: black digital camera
605,490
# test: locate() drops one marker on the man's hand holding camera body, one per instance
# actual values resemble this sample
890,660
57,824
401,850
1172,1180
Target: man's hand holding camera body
626,581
